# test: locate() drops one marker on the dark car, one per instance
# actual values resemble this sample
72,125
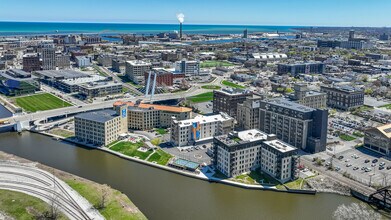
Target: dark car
388,167
374,161
340,157
380,168
367,161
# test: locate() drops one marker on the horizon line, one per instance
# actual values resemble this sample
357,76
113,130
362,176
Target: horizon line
118,22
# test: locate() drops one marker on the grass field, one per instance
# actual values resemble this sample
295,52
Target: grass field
117,204
40,102
346,137
203,97
213,63
130,149
22,206
232,85
388,106
160,157
256,177
62,132
211,87
161,131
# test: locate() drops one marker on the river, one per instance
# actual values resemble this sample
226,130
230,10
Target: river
4,113
163,195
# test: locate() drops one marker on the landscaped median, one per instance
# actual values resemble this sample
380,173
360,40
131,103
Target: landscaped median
211,87
203,97
232,85
40,102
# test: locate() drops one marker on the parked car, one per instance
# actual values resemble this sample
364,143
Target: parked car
382,164
367,161
348,165
355,168
374,161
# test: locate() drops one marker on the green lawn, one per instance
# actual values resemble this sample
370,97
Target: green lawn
160,157
296,184
346,137
62,132
358,134
22,206
256,177
117,206
211,87
213,63
388,106
161,131
130,149
232,85
40,102
203,97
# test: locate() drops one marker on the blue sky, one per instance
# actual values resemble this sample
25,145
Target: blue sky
253,12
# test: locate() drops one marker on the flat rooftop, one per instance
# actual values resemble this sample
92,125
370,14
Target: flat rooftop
386,130
281,102
204,119
67,74
280,146
157,107
344,88
138,63
97,85
88,79
98,116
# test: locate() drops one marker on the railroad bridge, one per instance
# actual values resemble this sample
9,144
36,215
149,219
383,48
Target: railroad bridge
381,198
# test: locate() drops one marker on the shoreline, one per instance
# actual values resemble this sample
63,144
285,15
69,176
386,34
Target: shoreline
192,175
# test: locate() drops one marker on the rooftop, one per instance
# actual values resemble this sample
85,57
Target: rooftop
386,130
280,146
78,81
98,116
204,119
67,74
157,107
288,104
138,63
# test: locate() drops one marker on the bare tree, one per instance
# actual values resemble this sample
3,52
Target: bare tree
103,197
355,211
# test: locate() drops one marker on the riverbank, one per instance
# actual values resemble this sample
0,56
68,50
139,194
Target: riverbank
114,202
206,173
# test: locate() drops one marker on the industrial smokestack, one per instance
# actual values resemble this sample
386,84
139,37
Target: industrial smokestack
181,19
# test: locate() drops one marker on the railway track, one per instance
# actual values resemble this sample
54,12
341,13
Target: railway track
49,183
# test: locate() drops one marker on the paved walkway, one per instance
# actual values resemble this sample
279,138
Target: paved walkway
43,185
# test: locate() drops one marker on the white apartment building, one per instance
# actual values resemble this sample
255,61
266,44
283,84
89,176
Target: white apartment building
200,129
188,67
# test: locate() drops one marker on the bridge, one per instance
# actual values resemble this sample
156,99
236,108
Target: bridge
27,118
381,198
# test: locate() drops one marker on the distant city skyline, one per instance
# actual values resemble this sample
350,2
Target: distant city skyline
346,13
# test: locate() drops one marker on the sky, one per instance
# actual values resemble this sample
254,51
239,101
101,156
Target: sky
374,13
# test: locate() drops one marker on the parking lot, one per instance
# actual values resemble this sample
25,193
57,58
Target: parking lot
196,153
364,166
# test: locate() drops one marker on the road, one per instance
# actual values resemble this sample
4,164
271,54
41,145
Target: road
43,185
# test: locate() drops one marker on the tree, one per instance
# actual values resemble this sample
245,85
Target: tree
103,197
355,211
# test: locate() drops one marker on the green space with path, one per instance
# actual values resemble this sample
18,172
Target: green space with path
232,85
215,63
40,102
388,106
22,206
116,204
203,97
161,131
130,149
160,157
211,87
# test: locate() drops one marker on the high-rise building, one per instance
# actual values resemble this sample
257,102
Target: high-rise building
101,127
241,152
343,97
309,98
48,55
295,124
247,116
31,62
135,70
188,67
63,61
245,33
200,129
384,37
227,100
301,68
